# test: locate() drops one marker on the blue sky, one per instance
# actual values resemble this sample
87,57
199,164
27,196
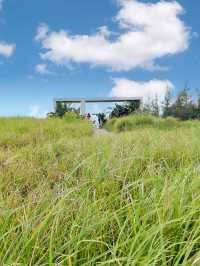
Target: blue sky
90,48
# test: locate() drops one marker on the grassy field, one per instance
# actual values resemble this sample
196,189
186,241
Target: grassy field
69,197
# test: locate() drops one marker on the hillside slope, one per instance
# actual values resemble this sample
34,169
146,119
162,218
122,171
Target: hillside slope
69,197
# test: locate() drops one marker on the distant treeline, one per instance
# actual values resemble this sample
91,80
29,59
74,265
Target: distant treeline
182,107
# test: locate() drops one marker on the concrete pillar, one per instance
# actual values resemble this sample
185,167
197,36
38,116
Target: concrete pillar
141,104
55,105
83,108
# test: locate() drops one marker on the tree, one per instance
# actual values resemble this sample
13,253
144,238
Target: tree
196,114
151,106
147,106
125,109
133,106
167,104
119,111
155,106
183,108
62,109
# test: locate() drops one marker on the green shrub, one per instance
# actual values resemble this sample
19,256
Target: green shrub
130,122
170,122
123,124
110,124
139,121
71,117
143,120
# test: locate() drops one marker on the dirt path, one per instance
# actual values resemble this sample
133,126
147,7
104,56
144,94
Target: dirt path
100,132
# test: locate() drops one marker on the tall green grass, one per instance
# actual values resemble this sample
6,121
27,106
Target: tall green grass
131,122
69,197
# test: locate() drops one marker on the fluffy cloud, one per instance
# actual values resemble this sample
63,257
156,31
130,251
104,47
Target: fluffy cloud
36,111
41,32
146,90
42,69
6,49
147,31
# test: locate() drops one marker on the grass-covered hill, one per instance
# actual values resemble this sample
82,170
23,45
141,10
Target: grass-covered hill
69,197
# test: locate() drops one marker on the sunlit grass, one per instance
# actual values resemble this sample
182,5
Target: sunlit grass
71,198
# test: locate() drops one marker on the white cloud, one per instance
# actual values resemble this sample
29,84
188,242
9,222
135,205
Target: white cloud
36,111
147,90
147,31
6,49
42,69
42,31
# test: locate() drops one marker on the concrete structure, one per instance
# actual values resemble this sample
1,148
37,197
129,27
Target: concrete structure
83,102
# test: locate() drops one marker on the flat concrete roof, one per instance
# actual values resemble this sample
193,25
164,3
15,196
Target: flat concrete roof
98,100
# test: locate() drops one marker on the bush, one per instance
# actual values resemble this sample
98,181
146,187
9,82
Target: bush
123,124
170,122
70,117
130,122
143,120
110,124
139,121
